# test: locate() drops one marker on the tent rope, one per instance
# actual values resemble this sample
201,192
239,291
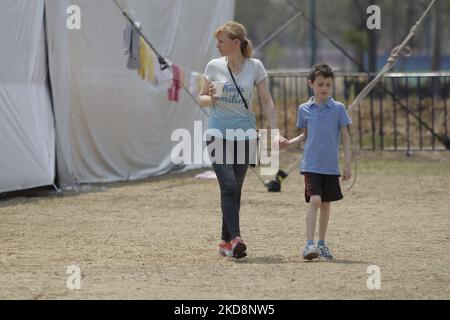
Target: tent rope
402,49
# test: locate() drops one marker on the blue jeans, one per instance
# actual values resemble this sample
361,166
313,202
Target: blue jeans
231,177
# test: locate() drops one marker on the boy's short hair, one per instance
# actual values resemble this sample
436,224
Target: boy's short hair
321,69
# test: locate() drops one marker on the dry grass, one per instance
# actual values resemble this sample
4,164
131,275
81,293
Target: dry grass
157,239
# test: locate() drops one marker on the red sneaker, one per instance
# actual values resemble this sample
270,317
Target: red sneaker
225,249
238,248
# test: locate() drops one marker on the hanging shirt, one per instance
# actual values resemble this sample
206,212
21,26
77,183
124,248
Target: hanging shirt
131,43
229,112
176,85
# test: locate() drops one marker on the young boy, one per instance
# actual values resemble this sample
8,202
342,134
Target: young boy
321,121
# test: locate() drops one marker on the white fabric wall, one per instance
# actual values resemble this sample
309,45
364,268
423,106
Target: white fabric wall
27,137
111,125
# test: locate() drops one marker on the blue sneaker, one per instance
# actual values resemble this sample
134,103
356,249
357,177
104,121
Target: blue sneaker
310,252
324,253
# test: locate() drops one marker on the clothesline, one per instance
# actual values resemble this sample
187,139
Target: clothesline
143,59
152,67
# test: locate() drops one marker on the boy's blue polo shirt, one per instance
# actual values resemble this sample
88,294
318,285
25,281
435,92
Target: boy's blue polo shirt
324,124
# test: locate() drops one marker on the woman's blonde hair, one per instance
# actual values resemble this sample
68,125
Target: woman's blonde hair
235,30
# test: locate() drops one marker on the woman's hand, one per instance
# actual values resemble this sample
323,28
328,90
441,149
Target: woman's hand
283,142
280,140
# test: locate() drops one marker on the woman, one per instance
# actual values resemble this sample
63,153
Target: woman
232,123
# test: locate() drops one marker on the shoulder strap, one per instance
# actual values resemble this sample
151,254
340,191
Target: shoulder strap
237,87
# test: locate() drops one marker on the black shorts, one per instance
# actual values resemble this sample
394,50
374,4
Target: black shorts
323,185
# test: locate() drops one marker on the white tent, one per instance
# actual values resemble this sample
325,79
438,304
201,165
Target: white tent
27,135
110,125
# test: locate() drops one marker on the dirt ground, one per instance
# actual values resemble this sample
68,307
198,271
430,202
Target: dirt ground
157,239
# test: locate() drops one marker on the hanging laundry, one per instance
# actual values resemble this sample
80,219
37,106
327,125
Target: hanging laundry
147,59
131,43
176,84
151,66
143,58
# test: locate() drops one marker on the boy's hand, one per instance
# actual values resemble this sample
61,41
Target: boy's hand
347,173
300,138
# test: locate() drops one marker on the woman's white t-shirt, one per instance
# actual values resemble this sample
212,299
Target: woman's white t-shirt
229,112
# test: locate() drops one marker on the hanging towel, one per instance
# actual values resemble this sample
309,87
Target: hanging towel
151,65
176,84
143,58
131,43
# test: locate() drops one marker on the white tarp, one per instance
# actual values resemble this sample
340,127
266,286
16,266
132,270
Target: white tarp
27,137
110,124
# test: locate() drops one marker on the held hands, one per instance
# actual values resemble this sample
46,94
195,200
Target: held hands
281,141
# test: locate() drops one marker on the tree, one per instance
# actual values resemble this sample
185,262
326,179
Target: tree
274,54
358,41
357,34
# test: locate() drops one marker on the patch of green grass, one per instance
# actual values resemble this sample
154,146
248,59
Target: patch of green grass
398,163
